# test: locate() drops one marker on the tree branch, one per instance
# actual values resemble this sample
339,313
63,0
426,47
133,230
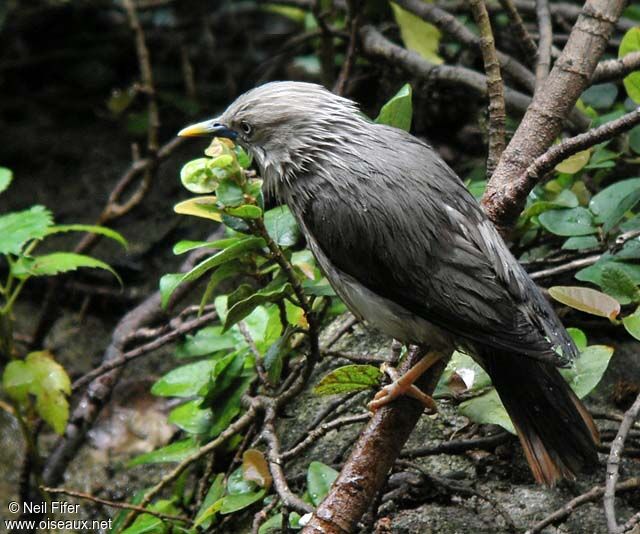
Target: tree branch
543,63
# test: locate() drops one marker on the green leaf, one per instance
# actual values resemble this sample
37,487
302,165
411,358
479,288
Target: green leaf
149,524
587,369
605,203
191,417
418,35
580,243
616,215
206,341
568,222
579,338
184,381
587,300
398,110
319,480
198,177
634,139
574,163
617,283
274,292
593,273
233,503
631,43
19,227
632,323
186,246
474,376
90,228
274,358
230,194
5,178
174,452
348,378
282,226
600,96
273,525
211,503
487,409
58,262
168,283
17,380
246,211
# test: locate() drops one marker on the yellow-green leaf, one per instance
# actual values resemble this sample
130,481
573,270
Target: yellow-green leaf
631,43
418,35
348,378
205,207
587,300
574,163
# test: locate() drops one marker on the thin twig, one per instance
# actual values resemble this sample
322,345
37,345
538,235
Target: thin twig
320,431
557,153
590,496
614,69
566,267
495,89
289,499
144,349
116,504
543,63
613,465
353,23
523,38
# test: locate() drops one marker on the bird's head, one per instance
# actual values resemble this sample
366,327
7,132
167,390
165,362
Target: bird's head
288,127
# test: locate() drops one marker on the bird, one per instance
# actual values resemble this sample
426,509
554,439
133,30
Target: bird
410,251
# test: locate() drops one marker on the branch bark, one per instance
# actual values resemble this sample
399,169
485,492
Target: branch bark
508,188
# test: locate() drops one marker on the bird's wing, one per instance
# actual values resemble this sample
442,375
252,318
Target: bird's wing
418,238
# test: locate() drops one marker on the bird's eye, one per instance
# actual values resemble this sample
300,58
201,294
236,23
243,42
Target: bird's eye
246,127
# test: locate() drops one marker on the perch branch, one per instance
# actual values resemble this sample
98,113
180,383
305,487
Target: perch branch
543,63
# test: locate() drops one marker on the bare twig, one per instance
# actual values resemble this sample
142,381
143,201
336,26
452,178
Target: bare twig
613,464
523,38
353,23
144,349
545,41
614,69
566,148
565,267
320,431
288,498
495,90
590,496
116,504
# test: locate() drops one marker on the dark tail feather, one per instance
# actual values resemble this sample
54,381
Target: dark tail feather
557,433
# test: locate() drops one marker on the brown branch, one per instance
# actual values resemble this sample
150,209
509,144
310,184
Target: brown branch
144,349
448,24
288,498
495,90
543,63
508,188
590,496
353,23
613,464
373,455
523,38
557,153
614,69
116,504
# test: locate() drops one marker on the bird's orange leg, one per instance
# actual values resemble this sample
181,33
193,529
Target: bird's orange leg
403,385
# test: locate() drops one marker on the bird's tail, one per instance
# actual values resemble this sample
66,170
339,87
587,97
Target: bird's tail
557,433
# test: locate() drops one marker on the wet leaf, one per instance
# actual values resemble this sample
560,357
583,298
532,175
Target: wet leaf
211,503
587,369
192,417
568,222
487,409
580,243
282,226
19,227
206,341
587,300
184,381
348,378
632,323
233,503
606,201
319,480
174,452
256,469
579,338
398,110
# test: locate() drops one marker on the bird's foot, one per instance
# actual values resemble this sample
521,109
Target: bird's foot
403,385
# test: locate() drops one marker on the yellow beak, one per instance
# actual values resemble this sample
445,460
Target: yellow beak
211,127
